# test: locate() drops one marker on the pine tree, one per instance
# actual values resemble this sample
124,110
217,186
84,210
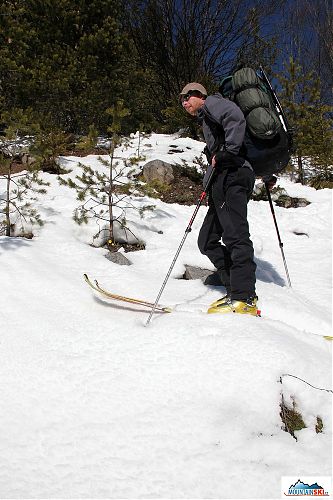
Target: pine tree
312,122
70,66
17,210
104,194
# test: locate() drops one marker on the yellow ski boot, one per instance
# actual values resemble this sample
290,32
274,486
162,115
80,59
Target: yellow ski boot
220,301
236,306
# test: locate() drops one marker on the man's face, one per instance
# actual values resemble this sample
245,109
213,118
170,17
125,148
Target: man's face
192,103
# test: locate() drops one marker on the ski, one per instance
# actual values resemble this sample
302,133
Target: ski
95,286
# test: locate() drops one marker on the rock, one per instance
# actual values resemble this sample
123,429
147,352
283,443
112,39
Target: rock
276,193
175,149
290,202
26,159
158,170
284,201
122,234
118,258
196,273
302,202
279,195
300,233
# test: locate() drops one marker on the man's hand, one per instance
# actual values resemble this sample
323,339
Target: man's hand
224,159
270,181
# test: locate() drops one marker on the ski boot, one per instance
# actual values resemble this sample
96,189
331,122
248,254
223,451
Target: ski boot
227,305
220,301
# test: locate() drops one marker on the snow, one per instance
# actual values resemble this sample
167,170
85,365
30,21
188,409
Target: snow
95,404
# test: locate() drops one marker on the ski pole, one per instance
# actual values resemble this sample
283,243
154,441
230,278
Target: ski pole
284,120
187,230
277,232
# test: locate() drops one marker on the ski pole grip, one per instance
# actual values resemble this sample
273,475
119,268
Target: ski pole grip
209,179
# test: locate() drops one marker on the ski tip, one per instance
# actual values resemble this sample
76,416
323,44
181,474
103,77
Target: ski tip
167,309
328,337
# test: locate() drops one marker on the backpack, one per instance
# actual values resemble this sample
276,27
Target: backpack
268,139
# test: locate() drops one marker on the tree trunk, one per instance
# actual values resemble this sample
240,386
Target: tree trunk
139,143
300,169
110,192
7,209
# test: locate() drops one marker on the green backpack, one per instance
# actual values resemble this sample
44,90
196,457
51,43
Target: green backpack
268,138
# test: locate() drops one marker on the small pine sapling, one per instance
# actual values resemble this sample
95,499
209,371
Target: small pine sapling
88,142
50,143
17,208
104,194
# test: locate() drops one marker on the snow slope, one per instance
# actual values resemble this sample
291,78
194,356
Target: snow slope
94,404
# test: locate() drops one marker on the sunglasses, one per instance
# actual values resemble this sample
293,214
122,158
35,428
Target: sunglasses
185,97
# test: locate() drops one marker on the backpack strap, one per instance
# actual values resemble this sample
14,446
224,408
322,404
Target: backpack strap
220,140
217,131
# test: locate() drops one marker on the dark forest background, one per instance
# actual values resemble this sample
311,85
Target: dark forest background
65,63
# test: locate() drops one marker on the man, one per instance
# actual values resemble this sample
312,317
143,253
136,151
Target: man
223,126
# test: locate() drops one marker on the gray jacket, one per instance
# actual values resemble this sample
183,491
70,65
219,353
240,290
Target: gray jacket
223,123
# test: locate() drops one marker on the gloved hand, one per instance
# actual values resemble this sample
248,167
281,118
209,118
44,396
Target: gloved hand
208,155
224,159
270,181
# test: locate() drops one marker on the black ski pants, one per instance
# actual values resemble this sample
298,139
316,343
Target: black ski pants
227,219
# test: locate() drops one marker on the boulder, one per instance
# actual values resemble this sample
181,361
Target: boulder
28,160
158,170
173,148
118,258
302,202
196,273
290,202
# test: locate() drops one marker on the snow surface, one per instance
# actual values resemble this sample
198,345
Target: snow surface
94,404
